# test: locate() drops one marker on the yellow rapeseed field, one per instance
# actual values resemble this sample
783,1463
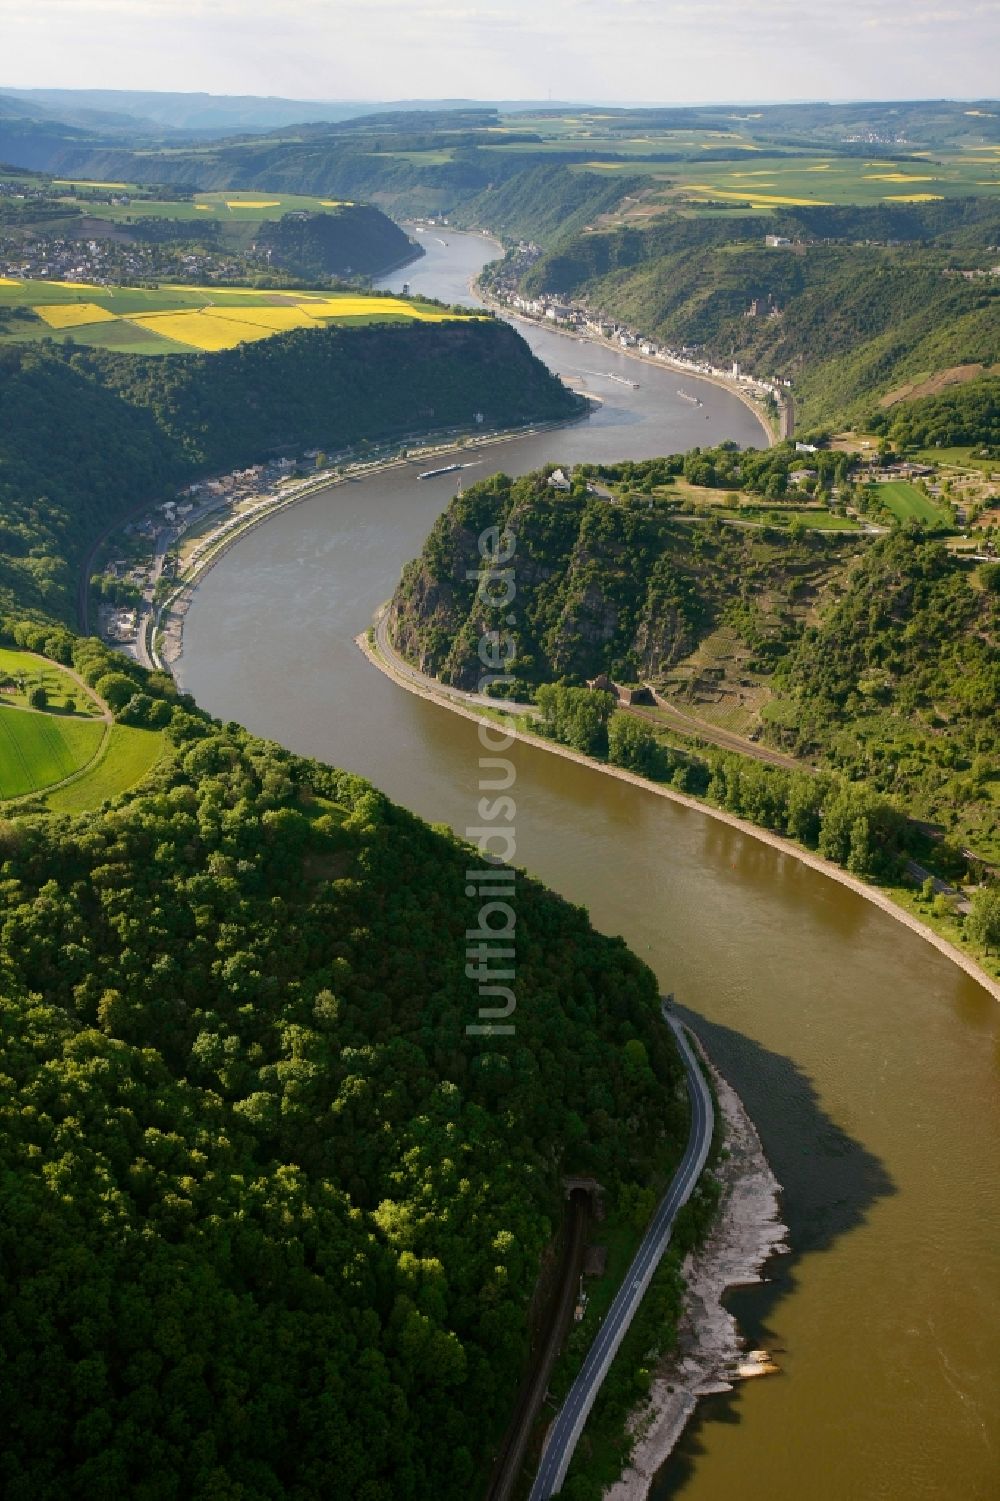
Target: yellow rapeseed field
913,197
253,203
351,307
896,177
362,307
275,319
213,318
758,200
200,330
72,314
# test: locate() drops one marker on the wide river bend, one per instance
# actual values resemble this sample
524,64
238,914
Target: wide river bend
869,1062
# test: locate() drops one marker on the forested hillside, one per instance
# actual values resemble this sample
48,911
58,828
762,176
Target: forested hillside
966,414
88,435
846,320
544,203
351,240
270,1220
627,589
876,658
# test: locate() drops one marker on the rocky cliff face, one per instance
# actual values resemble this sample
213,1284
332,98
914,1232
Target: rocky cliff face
621,585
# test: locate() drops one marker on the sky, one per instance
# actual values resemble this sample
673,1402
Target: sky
650,51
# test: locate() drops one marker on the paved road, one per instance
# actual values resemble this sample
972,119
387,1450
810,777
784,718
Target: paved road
565,1431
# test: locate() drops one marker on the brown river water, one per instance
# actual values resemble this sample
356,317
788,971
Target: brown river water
869,1063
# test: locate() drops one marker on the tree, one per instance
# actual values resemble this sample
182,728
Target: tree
115,688
983,921
632,744
37,697
577,717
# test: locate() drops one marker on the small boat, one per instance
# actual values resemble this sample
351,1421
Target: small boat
686,396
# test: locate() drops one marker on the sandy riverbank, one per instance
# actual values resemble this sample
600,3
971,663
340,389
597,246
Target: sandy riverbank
711,1354
826,867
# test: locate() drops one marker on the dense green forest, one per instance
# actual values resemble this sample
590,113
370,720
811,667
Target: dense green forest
876,659
843,318
352,240
964,415
88,434
267,1216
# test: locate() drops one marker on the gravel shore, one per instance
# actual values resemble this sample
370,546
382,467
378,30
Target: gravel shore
711,1354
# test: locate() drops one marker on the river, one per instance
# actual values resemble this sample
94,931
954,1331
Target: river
869,1063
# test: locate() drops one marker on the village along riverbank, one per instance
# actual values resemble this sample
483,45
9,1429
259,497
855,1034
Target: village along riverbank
868,1063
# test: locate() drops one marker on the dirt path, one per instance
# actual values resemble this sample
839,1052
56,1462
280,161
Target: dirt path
677,719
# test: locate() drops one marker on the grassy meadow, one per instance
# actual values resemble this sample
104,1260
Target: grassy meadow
37,749
20,671
907,503
41,747
129,754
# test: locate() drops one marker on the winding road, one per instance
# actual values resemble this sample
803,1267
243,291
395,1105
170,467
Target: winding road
565,1432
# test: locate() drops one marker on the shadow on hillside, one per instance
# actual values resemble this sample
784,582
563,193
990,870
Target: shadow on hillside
829,1184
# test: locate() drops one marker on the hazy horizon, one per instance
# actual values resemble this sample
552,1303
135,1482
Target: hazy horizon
601,51
493,100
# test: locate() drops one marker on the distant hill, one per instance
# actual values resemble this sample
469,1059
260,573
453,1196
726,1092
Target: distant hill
352,240
224,112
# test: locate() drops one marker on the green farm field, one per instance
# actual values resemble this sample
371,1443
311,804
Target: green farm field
769,182
38,749
129,755
226,207
907,503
